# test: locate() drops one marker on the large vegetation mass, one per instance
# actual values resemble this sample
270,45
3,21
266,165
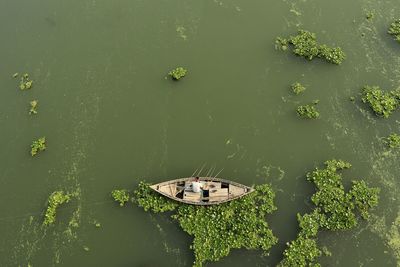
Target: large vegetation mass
381,102
334,210
218,229
305,45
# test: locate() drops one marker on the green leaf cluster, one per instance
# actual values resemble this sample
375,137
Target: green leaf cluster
382,103
33,104
121,196
38,145
297,88
364,197
146,198
25,82
178,73
370,15
335,210
54,201
308,111
394,30
305,45
393,140
217,229
302,251
334,202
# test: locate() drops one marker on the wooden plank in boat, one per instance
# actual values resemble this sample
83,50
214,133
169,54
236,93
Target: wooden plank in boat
192,196
235,191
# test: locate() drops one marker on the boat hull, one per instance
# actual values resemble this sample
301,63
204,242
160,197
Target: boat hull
214,190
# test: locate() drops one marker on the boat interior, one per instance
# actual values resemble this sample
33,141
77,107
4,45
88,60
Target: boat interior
212,191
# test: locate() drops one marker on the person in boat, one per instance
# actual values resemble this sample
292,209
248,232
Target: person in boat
196,185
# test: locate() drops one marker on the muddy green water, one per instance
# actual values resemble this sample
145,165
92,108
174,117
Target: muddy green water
112,118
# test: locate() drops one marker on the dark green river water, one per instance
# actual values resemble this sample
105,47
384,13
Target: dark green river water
111,118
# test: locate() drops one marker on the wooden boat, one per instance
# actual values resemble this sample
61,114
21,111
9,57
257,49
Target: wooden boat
214,190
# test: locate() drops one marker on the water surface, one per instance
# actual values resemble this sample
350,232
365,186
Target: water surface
112,118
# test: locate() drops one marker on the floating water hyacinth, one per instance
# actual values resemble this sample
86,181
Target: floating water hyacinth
25,83
394,30
38,145
335,210
393,140
381,102
178,73
54,201
33,104
121,196
308,111
305,44
218,229
297,88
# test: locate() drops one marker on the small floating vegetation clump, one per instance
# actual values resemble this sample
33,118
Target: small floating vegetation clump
56,199
219,228
38,145
334,210
370,15
394,30
382,103
178,73
308,111
297,88
393,140
33,104
25,83
305,45
120,195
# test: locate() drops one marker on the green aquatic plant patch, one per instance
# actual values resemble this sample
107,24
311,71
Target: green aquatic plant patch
38,145
308,111
381,102
298,88
33,109
177,73
120,195
394,29
219,228
305,44
56,199
393,140
25,83
334,210
370,15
